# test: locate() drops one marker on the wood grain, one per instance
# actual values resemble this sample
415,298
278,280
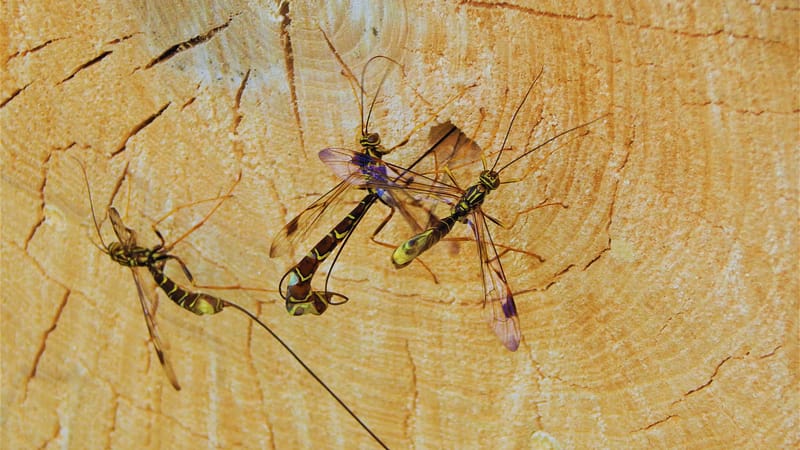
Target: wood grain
663,312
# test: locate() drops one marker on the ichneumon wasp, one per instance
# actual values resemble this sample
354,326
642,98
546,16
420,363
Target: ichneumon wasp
499,307
127,252
295,285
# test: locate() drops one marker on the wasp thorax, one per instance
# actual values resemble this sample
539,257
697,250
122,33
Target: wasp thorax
490,179
117,252
462,208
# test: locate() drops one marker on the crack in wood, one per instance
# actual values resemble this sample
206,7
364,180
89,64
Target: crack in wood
700,35
54,436
40,210
86,65
251,362
288,58
531,11
710,379
43,344
188,44
656,423
123,38
139,127
113,425
409,416
32,49
237,117
14,95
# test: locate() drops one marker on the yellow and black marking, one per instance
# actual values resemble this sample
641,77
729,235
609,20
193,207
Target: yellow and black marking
300,297
469,202
196,302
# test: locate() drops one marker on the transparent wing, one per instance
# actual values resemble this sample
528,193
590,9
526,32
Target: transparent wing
125,235
394,185
364,171
298,228
149,317
498,307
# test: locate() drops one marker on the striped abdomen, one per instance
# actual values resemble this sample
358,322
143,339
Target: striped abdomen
300,297
410,249
195,302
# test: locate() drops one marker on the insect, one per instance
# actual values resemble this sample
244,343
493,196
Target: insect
466,207
127,252
295,286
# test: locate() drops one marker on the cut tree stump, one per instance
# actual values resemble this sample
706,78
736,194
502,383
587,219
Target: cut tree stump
654,257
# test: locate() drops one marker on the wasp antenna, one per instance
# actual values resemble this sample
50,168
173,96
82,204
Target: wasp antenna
307,369
91,206
514,117
365,123
565,132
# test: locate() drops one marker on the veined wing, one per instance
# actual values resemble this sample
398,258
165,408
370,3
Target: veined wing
364,171
152,328
498,305
126,236
298,228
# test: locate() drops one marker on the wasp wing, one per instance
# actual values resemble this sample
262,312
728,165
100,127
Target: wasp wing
148,309
364,171
125,235
498,306
298,228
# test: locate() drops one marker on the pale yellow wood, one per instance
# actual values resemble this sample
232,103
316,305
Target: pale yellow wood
665,313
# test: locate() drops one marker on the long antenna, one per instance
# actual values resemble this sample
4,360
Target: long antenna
551,140
308,369
104,249
365,123
514,117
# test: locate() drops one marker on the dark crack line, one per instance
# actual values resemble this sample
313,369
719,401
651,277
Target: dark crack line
710,379
32,49
14,95
139,127
669,319
188,44
86,65
657,422
557,276
42,186
251,363
415,396
123,38
43,345
700,35
188,103
117,187
40,209
611,206
772,353
191,100
237,103
37,225
288,57
56,434
237,117
531,11
599,254
724,105
113,426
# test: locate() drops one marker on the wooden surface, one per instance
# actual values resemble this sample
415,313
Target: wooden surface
664,314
